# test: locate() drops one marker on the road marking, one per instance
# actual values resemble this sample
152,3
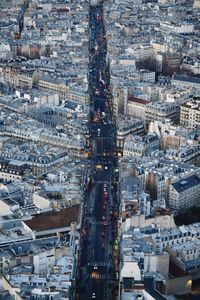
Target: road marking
99,264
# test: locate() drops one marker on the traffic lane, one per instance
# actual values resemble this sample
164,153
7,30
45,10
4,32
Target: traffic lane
100,255
104,174
103,147
87,230
103,124
103,166
97,254
98,202
99,105
101,176
104,227
100,56
98,261
97,289
87,240
104,128
98,219
101,215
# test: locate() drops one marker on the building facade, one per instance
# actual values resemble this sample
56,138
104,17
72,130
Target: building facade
184,193
190,114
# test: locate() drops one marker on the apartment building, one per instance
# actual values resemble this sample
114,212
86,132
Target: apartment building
53,86
190,114
128,126
136,107
185,154
160,111
186,81
13,170
186,255
140,146
147,76
184,193
78,96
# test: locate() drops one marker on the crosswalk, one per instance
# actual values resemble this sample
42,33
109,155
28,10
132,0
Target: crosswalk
102,181
98,276
94,222
98,264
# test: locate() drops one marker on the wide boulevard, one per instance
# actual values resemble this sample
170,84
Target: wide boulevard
98,261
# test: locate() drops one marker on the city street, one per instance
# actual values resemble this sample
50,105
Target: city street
97,273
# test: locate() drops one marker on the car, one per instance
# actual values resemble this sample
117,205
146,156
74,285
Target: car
104,207
93,296
105,167
98,132
103,218
104,223
95,267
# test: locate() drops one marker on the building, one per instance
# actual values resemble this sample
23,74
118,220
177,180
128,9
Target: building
190,114
95,2
196,4
147,76
157,174
14,231
136,107
184,193
12,170
160,111
185,154
170,63
120,96
79,96
54,223
186,81
3,263
186,255
53,86
127,126
141,146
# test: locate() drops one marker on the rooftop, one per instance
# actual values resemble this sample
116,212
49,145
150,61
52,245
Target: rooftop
53,220
138,100
186,183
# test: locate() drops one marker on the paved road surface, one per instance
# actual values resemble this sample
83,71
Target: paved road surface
96,274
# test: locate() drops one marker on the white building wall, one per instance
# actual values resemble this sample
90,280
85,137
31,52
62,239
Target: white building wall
165,222
40,202
4,209
132,270
44,261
